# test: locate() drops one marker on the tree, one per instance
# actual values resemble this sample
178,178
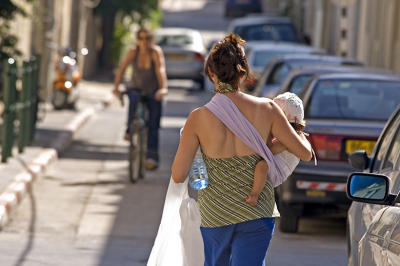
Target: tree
8,41
108,10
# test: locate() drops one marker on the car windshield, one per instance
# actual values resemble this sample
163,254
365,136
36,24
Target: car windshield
262,58
298,83
354,99
173,40
267,32
282,70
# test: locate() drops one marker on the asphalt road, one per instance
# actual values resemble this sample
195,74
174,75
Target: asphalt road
85,212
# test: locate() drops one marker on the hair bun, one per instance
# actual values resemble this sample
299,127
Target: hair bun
227,60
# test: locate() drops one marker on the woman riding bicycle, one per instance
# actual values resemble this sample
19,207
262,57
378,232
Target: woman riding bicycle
149,80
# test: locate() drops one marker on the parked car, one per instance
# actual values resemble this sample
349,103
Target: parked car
300,76
279,67
344,113
184,53
265,28
235,8
260,53
373,224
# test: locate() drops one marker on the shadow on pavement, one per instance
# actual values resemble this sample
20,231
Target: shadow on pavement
31,237
88,151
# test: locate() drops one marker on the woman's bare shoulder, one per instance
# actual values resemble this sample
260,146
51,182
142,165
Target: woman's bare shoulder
156,49
199,112
133,48
260,102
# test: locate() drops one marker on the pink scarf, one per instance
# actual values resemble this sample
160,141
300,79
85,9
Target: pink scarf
223,108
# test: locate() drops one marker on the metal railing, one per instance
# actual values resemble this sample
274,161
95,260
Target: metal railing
20,97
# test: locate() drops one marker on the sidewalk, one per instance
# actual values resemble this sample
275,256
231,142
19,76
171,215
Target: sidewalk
53,135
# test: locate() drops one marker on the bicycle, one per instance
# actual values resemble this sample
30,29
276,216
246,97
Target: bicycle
137,139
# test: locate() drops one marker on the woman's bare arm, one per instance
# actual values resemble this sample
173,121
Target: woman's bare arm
284,132
121,70
158,58
187,149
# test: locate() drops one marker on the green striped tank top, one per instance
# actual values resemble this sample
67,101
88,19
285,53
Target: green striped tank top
230,181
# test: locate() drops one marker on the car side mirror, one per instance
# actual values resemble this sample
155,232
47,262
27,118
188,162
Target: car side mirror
359,160
370,188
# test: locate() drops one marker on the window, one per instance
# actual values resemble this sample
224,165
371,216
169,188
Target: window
393,152
354,99
267,32
280,72
298,83
384,145
173,40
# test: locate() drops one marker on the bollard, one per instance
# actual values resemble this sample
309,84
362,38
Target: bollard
24,107
9,96
34,96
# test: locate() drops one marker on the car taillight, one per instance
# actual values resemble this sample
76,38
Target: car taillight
250,81
198,57
327,147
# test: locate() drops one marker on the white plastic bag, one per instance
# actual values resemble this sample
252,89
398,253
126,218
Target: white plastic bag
178,241
193,247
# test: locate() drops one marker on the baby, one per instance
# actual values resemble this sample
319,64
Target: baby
292,106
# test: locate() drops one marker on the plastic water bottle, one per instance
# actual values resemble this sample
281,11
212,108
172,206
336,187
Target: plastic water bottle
198,177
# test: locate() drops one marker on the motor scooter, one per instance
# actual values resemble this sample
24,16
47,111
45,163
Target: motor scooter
65,86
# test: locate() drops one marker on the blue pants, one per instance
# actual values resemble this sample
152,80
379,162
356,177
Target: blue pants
242,244
153,122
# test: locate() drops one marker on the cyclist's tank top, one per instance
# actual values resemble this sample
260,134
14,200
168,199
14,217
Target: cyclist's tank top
142,78
230,181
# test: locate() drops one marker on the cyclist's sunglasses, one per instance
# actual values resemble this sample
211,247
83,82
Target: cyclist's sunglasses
147,38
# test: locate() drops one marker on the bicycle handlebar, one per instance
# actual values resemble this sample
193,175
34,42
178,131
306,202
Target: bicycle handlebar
121,98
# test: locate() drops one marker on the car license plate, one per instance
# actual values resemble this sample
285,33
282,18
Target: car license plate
176,56
353,145
315,193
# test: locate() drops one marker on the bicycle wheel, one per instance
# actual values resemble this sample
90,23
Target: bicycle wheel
136,152
143,150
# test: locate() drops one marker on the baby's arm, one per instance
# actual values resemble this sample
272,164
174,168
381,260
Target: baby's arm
260,177
277,147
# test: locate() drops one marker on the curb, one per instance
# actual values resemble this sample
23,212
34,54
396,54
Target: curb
22,182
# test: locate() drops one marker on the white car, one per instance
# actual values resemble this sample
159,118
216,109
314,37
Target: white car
260,53
373,221
184,53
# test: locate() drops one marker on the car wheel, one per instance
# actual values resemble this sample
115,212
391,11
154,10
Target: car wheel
289,220
201,83
59,99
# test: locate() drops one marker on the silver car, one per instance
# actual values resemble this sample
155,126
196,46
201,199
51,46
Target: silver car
260,53
277,70
373,228
184,53
344,113
300,76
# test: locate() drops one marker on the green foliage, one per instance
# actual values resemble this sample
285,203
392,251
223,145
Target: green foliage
126,13
142,7
121,37
8,41
155,18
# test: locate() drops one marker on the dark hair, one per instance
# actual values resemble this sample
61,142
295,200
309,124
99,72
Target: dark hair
228,61
144,30
297,127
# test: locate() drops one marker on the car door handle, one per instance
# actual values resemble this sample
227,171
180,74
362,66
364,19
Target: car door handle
386,239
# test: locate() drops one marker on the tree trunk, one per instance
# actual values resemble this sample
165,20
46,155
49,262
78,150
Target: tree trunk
107,29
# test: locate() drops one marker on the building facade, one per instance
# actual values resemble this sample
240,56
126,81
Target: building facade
52,25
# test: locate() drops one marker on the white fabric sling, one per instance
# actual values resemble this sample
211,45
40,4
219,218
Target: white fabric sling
223,108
